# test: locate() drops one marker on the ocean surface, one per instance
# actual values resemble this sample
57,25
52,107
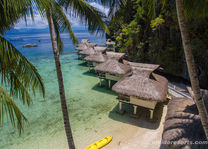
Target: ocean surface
89,105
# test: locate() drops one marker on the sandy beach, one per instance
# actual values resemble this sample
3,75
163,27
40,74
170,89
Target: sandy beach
127,132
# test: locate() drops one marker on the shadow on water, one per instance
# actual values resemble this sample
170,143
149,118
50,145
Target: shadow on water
83,63
142,119
77,58
103,88
90,73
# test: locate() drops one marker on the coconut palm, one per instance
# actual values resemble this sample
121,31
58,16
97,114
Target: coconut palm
18,76
187,9
198,11
54,27
58,23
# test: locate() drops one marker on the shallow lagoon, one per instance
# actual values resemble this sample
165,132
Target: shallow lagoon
89,105
91,108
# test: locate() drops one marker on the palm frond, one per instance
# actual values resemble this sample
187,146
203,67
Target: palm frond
87,14
114,5
11,11
9,109
18,73
61,22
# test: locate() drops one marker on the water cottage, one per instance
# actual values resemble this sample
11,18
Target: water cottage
95,59
112,70
141,88
110,45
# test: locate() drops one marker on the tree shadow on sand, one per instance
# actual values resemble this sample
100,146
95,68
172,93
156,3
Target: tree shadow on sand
142,119
183,125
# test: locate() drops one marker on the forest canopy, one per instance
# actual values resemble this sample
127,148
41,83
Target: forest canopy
157,38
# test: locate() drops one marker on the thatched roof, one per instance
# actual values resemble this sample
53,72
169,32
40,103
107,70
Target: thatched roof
92,44
85,41
183,124
81,47
143,84
109,42
100,49
88,51
97,57
115,55
85,46
113,66
150,67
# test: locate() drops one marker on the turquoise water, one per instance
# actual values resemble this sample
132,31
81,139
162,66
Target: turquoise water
89,105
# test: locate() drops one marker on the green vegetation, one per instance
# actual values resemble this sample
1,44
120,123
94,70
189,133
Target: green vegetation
19,78
164,41
156,38
17,73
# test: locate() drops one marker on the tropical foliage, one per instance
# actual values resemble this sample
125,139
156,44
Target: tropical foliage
185,12
56,20
158,39
58,23
19,78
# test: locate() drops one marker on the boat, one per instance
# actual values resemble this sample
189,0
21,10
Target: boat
101,143
30,45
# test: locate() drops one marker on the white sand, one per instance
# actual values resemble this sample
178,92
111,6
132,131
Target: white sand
132,133
135,137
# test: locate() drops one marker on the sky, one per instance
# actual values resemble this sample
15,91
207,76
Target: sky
41,23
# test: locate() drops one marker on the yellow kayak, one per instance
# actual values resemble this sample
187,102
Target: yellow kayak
99,144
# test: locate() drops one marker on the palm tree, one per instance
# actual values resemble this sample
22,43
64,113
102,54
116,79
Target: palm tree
184,8
18,75
190,62
60,80
58,22
93,19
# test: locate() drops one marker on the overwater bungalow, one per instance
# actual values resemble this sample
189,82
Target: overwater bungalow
110,45
100,49
85,40
112,70
143,66
86,52
116,55
91,50
81,47
85,46
142,88
95,59
92,45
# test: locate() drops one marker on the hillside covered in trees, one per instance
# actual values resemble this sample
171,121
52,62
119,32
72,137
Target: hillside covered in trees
156,38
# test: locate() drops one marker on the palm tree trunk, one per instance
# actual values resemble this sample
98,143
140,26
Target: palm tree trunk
60,82
191,65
